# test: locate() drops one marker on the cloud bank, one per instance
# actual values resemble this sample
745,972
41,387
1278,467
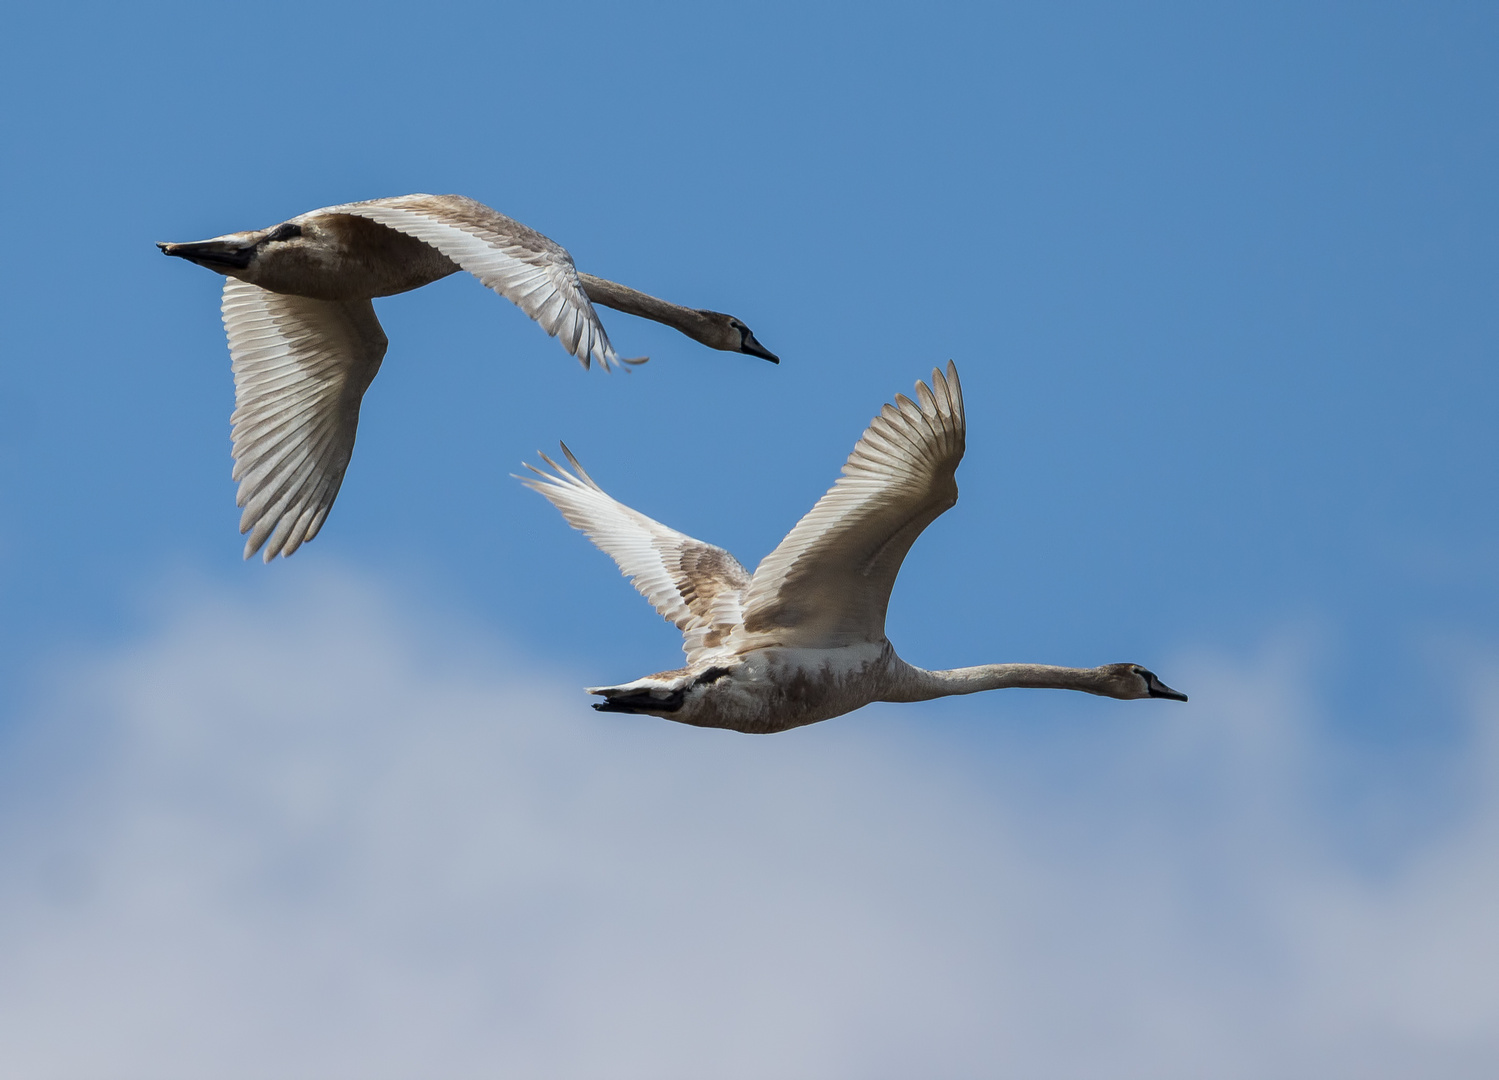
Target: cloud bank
330,837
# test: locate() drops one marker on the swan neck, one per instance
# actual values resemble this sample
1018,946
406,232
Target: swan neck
919,684
611,294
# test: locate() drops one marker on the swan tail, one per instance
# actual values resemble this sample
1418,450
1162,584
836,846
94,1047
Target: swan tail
639,699
659,695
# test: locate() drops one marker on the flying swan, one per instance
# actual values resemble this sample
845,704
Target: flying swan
305,344
803,639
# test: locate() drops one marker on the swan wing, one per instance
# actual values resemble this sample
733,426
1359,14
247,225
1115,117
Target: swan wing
301,367
516,261
695,586
828,583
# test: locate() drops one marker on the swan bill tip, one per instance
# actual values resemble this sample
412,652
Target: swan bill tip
220,255
1152,684
750,346
1159,689
754,348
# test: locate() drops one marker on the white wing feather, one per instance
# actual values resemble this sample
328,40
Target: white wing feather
516,261
301,367
695,586
828,582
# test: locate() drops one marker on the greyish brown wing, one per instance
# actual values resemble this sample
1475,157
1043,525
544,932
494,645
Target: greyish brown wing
514,260
828,583
301,367
695,586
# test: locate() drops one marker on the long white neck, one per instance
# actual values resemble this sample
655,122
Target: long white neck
917,684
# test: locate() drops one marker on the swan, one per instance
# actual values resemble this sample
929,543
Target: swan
803,638
305,344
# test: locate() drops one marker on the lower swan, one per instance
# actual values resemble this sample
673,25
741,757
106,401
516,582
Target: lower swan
803,638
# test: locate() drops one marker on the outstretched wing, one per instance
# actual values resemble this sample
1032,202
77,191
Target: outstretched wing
301,368
828,583
695,586
514,260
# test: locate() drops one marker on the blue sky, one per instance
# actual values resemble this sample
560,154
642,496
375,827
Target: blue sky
1220,283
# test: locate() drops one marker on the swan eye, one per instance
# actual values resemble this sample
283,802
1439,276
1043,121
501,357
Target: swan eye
284,232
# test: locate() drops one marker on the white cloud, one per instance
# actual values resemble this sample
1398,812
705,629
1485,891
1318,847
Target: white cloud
329,838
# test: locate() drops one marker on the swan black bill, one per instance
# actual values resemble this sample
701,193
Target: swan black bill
1161,690
754,348
212,253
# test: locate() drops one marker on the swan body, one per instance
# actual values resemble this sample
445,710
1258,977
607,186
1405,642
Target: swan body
803,638
305,343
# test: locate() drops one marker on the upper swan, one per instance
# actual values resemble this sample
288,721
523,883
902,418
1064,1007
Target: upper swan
305,343
803,639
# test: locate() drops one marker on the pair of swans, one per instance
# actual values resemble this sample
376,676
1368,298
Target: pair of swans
800,640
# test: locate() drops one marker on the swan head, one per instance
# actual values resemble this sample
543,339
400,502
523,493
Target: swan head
235,254
1130,681
727,333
